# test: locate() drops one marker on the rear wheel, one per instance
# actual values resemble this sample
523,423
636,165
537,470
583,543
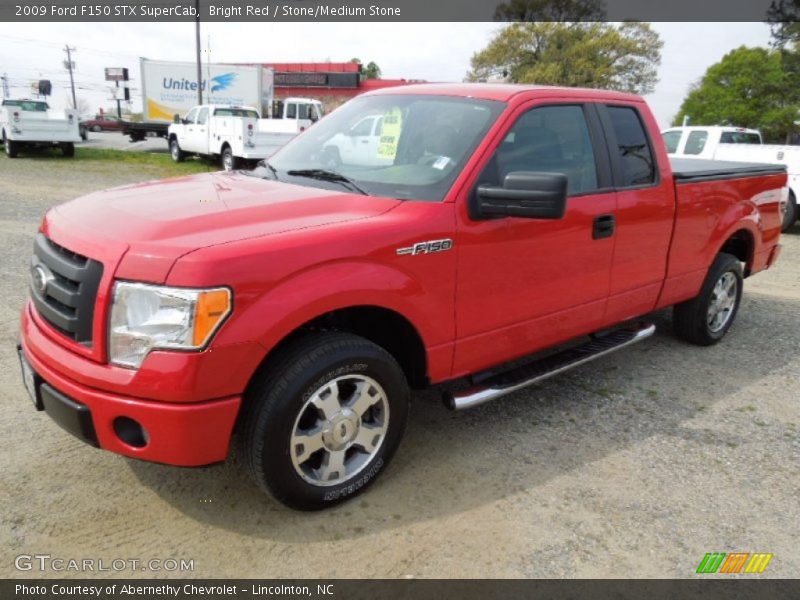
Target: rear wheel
175,150
229,161
789,212
97,128
705,319
324,419
67,149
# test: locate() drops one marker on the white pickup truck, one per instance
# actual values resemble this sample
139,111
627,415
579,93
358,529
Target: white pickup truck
739,145
31,123
238,133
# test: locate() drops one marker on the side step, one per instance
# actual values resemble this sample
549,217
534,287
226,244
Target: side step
525,375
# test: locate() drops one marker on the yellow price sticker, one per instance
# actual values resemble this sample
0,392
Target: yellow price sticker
390,133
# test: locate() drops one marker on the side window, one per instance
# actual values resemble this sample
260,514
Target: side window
191,115
552,139
202,117
363,127
378,125
291,111
671,140
636,157
696,142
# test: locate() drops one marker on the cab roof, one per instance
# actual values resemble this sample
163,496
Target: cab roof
504,92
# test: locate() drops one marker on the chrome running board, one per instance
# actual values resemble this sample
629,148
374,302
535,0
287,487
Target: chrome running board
510,381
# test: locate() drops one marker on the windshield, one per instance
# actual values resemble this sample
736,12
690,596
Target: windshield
27,105
236,112
401,146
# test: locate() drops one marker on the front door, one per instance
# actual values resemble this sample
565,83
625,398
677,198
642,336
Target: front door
198,137
526,284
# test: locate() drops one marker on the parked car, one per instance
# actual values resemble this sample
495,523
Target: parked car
740,145
236,134
297,306
32,124
103,122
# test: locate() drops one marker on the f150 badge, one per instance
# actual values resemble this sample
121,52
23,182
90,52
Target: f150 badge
427,247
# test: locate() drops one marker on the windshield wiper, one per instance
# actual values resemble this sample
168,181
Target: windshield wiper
326,175
264,163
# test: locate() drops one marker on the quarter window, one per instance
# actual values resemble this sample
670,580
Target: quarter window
696,142
635,155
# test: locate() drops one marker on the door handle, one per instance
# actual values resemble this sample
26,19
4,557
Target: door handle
603,227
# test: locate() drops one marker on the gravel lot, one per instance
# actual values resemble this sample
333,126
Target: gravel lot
633,466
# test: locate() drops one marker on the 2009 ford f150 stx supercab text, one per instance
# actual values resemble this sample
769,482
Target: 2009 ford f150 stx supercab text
296,305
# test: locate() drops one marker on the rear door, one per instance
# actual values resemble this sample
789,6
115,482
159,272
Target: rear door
526,284
645,209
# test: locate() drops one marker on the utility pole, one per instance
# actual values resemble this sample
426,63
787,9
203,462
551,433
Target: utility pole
6,92
197,44
70,65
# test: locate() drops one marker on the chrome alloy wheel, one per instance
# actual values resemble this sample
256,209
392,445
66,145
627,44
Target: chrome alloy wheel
723,302
339,430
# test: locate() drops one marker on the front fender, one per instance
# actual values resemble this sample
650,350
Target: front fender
310,293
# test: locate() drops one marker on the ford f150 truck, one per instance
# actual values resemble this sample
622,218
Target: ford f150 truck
293,307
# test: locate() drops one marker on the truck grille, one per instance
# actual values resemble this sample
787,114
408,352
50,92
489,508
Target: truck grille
64,288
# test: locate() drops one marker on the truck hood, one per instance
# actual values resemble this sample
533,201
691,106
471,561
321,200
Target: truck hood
157,222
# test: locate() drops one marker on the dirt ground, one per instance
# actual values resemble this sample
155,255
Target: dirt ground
633,466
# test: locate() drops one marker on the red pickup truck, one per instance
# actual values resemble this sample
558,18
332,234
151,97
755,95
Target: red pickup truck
297,304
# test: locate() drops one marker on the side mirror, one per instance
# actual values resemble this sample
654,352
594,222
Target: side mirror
176,118
524,194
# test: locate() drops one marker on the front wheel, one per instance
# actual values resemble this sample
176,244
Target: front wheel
789,212
175,150
323,419
705,319
229,161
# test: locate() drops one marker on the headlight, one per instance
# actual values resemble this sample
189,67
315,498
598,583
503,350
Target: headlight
145,317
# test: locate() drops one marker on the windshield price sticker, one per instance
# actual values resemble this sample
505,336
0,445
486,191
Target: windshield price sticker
390,133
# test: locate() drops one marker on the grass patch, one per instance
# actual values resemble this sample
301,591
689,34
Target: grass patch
103,160
160,162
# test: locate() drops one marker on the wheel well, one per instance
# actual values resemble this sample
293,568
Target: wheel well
383,327
224,145
172,136
740,245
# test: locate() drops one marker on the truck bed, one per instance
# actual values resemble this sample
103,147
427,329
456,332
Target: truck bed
693,170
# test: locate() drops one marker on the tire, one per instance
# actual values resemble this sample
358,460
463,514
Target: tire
790,213
67,149
97,128
175,151
282,403
705,319
11,147
84,134
229,161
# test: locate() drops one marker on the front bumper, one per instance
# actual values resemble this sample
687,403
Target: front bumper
181,433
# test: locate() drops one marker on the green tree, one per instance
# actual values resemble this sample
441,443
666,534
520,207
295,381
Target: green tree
621,57
550,10
370,71
749,87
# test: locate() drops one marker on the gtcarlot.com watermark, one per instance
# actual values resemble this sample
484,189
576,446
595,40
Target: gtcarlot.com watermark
58,564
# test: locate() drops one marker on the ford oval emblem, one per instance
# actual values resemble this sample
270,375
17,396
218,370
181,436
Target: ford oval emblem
40,277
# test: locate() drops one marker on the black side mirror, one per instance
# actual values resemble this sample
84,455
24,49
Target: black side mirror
176,118
524,194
